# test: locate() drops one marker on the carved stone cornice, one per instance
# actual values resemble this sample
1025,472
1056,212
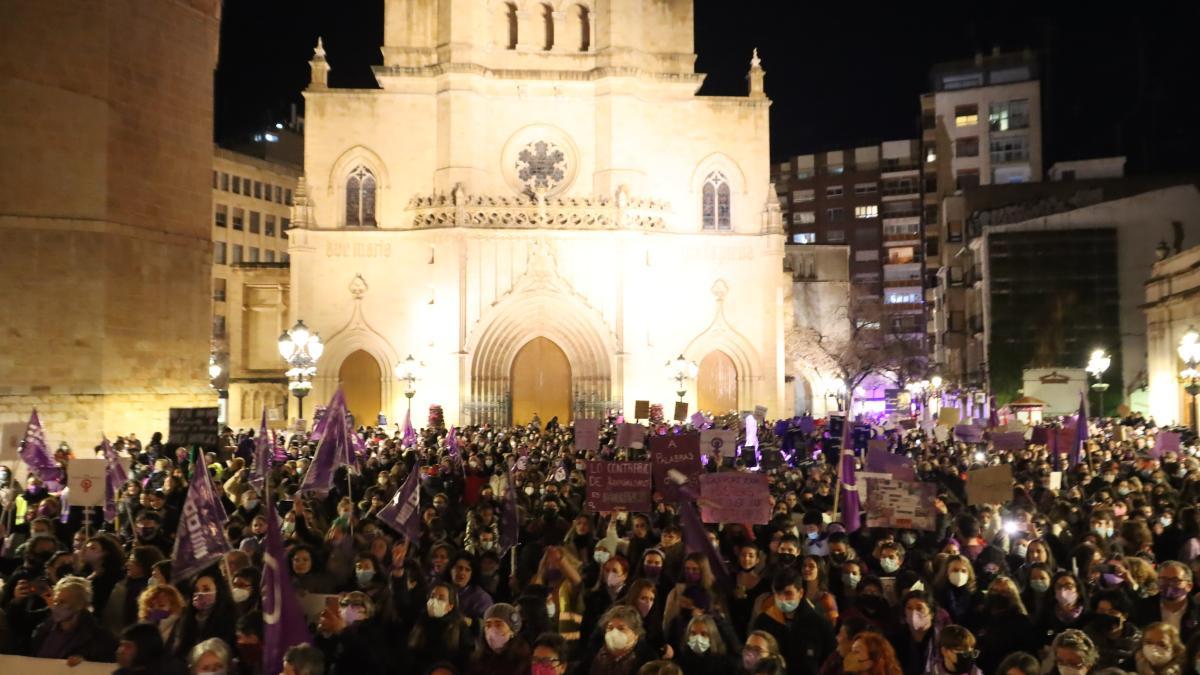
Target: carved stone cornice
458,209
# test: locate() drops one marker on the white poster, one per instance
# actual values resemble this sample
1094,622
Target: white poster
85,478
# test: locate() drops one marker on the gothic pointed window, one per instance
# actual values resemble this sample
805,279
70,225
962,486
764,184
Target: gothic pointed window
716,213
360,198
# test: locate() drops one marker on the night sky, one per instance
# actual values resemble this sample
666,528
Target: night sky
840,74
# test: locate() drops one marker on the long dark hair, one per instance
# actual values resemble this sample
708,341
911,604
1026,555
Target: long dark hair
148,645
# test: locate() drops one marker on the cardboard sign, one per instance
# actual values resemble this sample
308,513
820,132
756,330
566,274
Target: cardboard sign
631,436
618,486
722,442
990,485
942,434
641,410
681,408
947,417
902,504
1055,480
882,461
968,433
86,480
587,434
735,497
698,420
1008,440
193,427
681,453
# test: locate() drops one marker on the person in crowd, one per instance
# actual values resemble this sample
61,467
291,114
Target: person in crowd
804,635
703,651
501,650
624,651
1019,663
71,631
1116,637
956,653
140,651
210,656
441,633
1072,653
1161,651
870,654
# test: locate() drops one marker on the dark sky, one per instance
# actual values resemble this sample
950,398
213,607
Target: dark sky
840,74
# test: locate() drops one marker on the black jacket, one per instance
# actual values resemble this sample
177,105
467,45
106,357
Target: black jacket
89,640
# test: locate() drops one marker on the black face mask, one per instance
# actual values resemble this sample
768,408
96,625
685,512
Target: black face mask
787,558
838,557
963,662
1106,623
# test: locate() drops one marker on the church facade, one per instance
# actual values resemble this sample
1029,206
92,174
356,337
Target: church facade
537,206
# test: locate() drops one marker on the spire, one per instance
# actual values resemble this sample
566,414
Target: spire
756,76
320,68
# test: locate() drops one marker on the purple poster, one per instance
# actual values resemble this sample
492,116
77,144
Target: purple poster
618,486
681,453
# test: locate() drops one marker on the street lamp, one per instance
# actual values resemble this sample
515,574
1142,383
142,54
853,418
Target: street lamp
1189,353
214,370
681,370
1096,365
409,371
301,348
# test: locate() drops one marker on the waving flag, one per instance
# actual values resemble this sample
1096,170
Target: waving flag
409,440
115,479
332,450
403,512
850,501
695,537
283,621
200,541
37,456
263,451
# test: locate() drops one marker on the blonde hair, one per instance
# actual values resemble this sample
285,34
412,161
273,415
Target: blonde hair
77,584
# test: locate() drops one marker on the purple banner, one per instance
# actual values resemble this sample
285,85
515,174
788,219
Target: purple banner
1008,440
631,435
969,433
587,434
284,624
37,456
200,540
332,451
403,512
115,479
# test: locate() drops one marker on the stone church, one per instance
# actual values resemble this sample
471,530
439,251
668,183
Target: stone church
537,205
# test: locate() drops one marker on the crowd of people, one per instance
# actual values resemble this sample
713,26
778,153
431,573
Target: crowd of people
1086,570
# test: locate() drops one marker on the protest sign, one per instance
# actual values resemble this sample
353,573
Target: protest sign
735,497
680,452
699,420
1166,441
587,434
641,410
751,431
990,485
877,444
942,434
618,486
631,435
882,461
85,478
902,504
27,665
1055,480
1008,440
190,427
722,442
1040,436
968,433
681,408
947,417
312,604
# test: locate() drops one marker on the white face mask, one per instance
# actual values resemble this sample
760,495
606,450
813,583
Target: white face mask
889,565
352,614
1066,596
699,643
615,579
957,579
616,640
437,607
240,594
496,638
1070,670
600,556
919,620
1156,655
551,609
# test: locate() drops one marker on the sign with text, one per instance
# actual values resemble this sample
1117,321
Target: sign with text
618,486
902,504
899,466
641,410
193,426
1008,440
681,408
86,480
990,485
722,442
735,497
682,453
587,434
631,435
1164,442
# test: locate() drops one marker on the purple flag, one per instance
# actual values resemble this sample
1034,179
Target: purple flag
510,523
695,538
37,456
320,420
115,478
200,541
850,502
403,512
332,450
409,439
1079,447
284,624
262,454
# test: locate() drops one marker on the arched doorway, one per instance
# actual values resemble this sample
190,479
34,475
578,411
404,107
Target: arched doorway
541,383
362,385
717,384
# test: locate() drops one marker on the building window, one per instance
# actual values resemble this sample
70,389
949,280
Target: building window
278,194
219,289
269,225
930,154
715,209
214,179
253,255
221,216
225,181
898,186
246,185
967,178
833,191
360,198
218,253
287,196
966,147
865,188
284,225
903,296
835,170
868,211
254,229
866,256
239,218
237,184
834,214
893,230
900,255
804,217
218,326
258,189
269,255
267,191
1005,115
835,236
1009,149
284,257
237,254
802,196
966,115
803,174
804,238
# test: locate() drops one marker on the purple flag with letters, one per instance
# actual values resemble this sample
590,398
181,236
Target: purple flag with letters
262,454
409,438
200,540
403,512
851,507
37,456
115,478
333,449
284,623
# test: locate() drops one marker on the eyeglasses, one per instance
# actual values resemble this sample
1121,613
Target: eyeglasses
547,661
969,653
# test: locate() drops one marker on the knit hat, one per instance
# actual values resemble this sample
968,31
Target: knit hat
506,613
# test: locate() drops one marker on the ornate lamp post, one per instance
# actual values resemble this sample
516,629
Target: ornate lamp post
301,348
409,372
1096,365
681,370
1189,353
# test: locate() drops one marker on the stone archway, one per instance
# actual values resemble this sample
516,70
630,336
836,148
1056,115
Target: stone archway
717,383
541,383
362,384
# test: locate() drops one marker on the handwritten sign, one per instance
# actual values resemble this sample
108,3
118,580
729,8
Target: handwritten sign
85,478
587,434
641,410
631,436
735,497
193,426
1166,441
681,453
618,486
1040,436
903,504
722,442
990,485
681,408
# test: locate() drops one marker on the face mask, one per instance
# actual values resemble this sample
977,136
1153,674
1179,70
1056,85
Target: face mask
529,490
204,601
962,663
908,540
652,572
251,504
1066,596
838,557
551,609
147,532
1068,670
813,536
352,614
437,608
63,613
750,660
1165,520
1020,550
544,669
919,620
289,527
699,643
1174,593
889,565
787,558
851,580
1156,655
601,556
615,579
616,640
1040,585
496,638
691,577
1112,580
364,577
957,579
487,545
157,615
787,606
240,594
